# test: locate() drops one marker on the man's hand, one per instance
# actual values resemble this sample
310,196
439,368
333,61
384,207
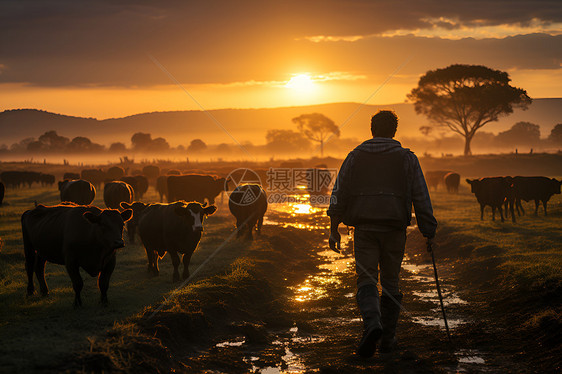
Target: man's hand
335,241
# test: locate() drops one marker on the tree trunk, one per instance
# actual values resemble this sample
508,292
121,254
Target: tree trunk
321,147
467,140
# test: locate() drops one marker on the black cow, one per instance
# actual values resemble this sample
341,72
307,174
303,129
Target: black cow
137,207
116,192
435,177
494,191
248,204
2,189
162,187
141,186
195,187
17,179
79,191
452,181
114,173
174,228
94,176
75,236
534,188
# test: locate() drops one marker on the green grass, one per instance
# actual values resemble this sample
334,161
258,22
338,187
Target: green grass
39,330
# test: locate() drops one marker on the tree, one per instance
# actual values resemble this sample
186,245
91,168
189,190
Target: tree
117,147
286,141
159,144
197,145
556,134
53,141
521,133
464,98
141,140
317,127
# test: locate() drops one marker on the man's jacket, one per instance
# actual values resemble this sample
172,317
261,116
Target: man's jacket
376,186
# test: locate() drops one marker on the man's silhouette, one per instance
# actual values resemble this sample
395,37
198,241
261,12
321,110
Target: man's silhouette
374,191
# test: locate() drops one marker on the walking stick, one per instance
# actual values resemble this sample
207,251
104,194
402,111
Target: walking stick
430,250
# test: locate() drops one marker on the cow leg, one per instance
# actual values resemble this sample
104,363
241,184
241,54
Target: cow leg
544,206
40,273
481,212
238,229
511,203
103,279
152,258
186,260
493,213
536,208
260,224
520,206
176,264
77,282
501,213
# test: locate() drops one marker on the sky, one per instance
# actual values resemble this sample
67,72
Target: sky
108,59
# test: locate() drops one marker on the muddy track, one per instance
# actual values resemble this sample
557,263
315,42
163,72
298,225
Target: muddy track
326,324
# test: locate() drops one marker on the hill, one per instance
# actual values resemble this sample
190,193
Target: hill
180,127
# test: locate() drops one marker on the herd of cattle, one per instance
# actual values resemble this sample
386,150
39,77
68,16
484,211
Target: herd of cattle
500,192
78,235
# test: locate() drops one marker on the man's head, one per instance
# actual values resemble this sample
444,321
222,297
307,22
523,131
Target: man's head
384,124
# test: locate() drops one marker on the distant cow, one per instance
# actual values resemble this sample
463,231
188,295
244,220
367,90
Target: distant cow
197,187
71,176
114,173
534,188
2,189
162,187
434,178
138,208
94,176
80,192
174,228
142,186
17,179
248,204
75,236
116,192
151,171
452,181
46,179
494,191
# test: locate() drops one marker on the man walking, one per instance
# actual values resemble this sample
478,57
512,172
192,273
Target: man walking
374,191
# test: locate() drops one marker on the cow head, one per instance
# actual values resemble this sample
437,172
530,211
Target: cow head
109,226
137,207
556,186
472,184
62,184
195,214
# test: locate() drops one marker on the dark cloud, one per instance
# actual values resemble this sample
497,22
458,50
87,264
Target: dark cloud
108,43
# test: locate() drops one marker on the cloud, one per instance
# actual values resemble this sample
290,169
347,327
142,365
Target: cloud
106,43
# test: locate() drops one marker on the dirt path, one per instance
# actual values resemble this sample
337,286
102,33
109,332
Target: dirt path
326,324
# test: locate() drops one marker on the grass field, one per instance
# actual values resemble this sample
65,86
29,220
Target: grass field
504,258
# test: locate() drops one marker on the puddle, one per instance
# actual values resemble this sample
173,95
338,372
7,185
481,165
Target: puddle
438,321
470,360
448,298
236,343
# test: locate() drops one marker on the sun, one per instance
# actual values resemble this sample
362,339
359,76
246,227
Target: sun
302,83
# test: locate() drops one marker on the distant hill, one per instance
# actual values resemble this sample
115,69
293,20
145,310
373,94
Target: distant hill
180,127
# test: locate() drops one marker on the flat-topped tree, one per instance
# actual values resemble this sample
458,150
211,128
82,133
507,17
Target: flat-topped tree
464,98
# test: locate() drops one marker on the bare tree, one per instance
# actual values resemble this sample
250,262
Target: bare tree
317,127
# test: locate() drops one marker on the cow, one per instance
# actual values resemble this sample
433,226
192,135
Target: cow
71,176
174,228
248,204
2,189
15,179
142,186
151,171
493,191
94,176
162,187
79,191
452,181
137,207
434,178
114,173
195,187
46,179
539,189
75,236
116,192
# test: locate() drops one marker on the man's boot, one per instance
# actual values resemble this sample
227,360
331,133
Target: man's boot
368,301
390,310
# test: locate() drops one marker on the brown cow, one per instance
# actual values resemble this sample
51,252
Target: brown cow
494,191
539,189
80,192
75,236
195,187
434,178
116,192
452,181
248,204
174,228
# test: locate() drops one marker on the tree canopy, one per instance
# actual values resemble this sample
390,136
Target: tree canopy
464,98
521,133
317,127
